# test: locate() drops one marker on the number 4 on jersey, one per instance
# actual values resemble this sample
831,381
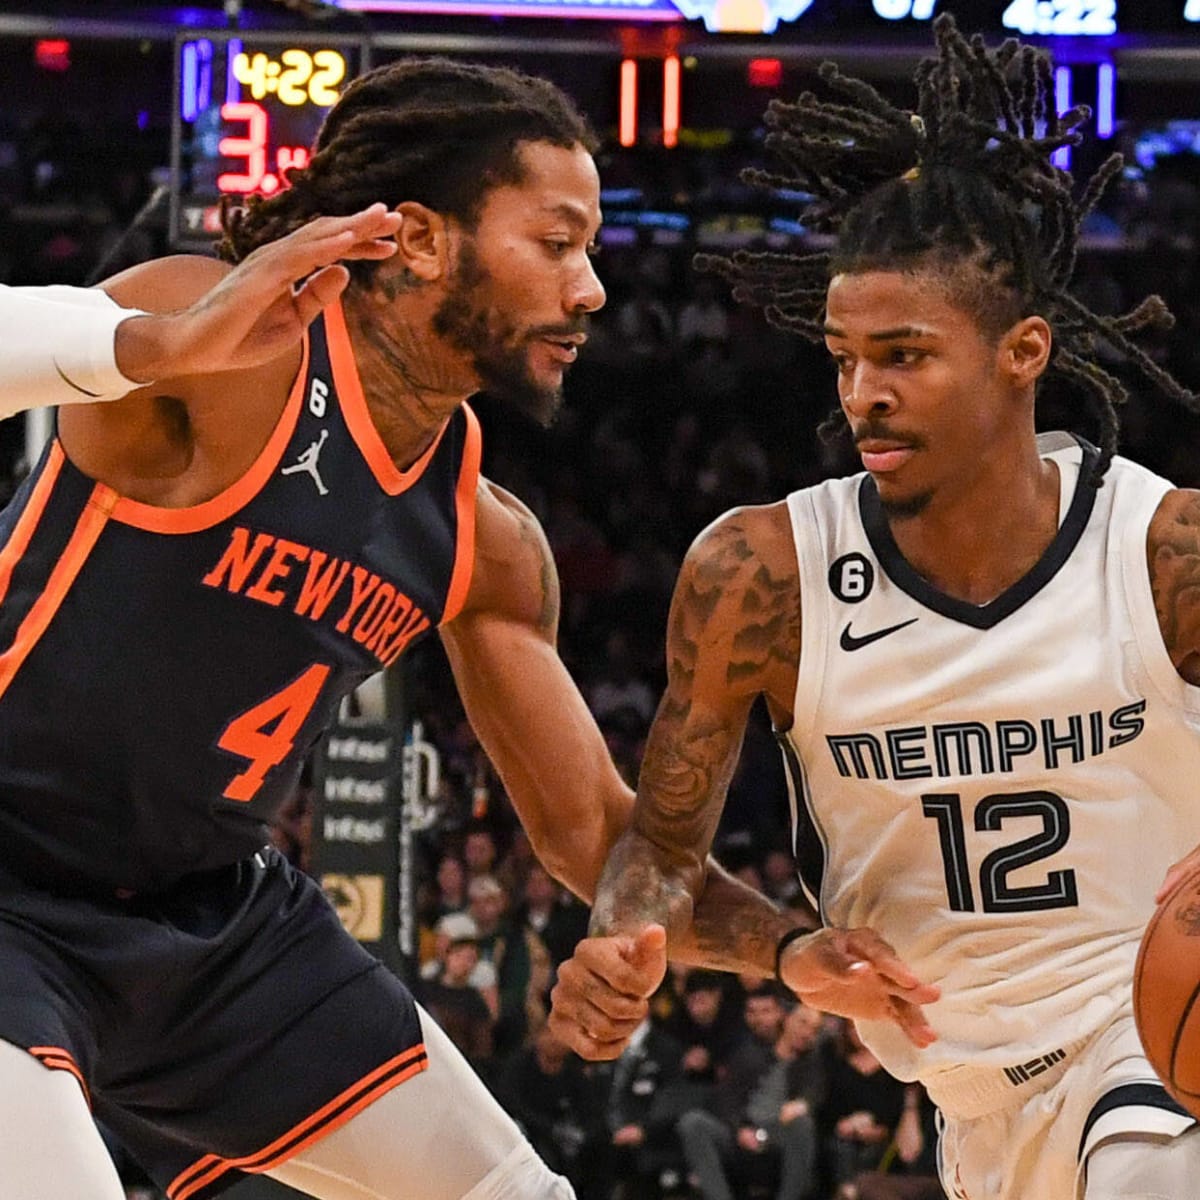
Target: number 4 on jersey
266,733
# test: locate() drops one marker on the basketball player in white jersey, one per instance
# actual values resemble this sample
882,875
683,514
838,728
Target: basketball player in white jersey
981,655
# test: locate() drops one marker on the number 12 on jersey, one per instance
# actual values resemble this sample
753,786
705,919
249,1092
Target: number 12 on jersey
996,893
266,732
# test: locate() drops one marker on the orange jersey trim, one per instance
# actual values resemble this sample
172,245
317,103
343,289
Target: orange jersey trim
27,522
356,415
54,1058
197,517
83,538
464,506
337,1112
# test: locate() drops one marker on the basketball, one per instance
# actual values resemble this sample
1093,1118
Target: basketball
1166,988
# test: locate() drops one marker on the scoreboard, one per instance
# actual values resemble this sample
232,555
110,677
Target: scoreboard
247,109
849,18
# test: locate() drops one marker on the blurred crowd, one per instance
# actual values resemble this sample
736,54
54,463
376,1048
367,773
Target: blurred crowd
682,406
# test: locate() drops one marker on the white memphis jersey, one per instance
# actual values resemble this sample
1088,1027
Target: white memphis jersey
997,790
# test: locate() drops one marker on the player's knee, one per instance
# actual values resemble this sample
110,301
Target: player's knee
521,1176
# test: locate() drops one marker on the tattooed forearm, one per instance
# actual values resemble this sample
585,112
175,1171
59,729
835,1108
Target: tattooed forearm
735,928
733,634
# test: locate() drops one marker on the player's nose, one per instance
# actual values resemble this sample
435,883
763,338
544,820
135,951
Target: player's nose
586,293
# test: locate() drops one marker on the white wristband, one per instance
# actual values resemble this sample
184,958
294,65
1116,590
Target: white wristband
58,347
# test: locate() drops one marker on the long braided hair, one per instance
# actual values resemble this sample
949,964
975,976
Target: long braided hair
431,130
965,185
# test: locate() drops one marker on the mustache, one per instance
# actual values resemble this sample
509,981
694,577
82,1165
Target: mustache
880,432
568,329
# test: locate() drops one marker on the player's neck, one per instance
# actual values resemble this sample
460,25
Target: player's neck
410,383
976,544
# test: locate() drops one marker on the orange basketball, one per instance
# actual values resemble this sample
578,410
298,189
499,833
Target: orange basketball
1166,988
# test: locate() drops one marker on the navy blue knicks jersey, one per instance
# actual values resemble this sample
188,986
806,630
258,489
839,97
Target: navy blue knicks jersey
164,672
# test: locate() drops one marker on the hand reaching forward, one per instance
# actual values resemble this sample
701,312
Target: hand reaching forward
602,994
262,306
855,973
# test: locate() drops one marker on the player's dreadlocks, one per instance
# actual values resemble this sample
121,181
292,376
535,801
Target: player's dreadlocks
964,185
438,132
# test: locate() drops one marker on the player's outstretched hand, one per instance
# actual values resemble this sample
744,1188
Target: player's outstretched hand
855,973
262,306
602,994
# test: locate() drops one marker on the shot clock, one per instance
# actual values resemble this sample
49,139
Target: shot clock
246,109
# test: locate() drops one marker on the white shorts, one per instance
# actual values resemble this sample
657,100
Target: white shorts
1025,1132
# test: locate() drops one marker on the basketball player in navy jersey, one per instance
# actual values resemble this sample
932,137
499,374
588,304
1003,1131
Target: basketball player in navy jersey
197,571
981,655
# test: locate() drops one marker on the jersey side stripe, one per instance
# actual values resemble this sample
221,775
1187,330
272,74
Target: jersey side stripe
464,506
22,534
358,420
808,847
207,1170
87,531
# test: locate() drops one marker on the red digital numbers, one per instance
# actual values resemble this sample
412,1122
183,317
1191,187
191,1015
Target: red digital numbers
253,148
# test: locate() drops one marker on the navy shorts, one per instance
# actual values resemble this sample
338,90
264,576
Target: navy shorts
217,1028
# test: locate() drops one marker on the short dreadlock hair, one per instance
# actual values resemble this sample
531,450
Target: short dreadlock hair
966,185
439,132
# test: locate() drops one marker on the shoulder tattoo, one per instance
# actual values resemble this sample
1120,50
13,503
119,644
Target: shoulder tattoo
1174,563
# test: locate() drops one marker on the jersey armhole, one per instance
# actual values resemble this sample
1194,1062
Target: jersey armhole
810,670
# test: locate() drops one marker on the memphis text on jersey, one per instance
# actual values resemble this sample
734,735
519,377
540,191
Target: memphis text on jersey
351,599
964,748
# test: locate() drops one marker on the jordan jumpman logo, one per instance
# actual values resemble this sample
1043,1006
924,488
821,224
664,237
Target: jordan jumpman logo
308,462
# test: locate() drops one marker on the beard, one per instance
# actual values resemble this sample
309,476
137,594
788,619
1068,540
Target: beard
907,508
499,351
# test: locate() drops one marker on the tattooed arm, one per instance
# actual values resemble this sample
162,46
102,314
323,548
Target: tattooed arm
733,635
1173,558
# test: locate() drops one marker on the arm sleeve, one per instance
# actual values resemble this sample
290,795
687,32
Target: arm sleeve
58,347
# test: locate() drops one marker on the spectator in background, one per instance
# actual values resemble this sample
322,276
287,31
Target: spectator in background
639,1090
617,689
451,998
644,325
480,852
864,1108
451,879
708,1027
909,1167
519,959
762,1120
552,914
704,316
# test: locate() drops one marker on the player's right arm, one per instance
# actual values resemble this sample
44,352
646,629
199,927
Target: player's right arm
733,634
85,345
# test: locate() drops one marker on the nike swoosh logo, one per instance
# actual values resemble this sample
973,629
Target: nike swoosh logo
850,642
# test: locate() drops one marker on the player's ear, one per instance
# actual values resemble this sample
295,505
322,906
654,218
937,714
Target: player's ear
422,240
1025,351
